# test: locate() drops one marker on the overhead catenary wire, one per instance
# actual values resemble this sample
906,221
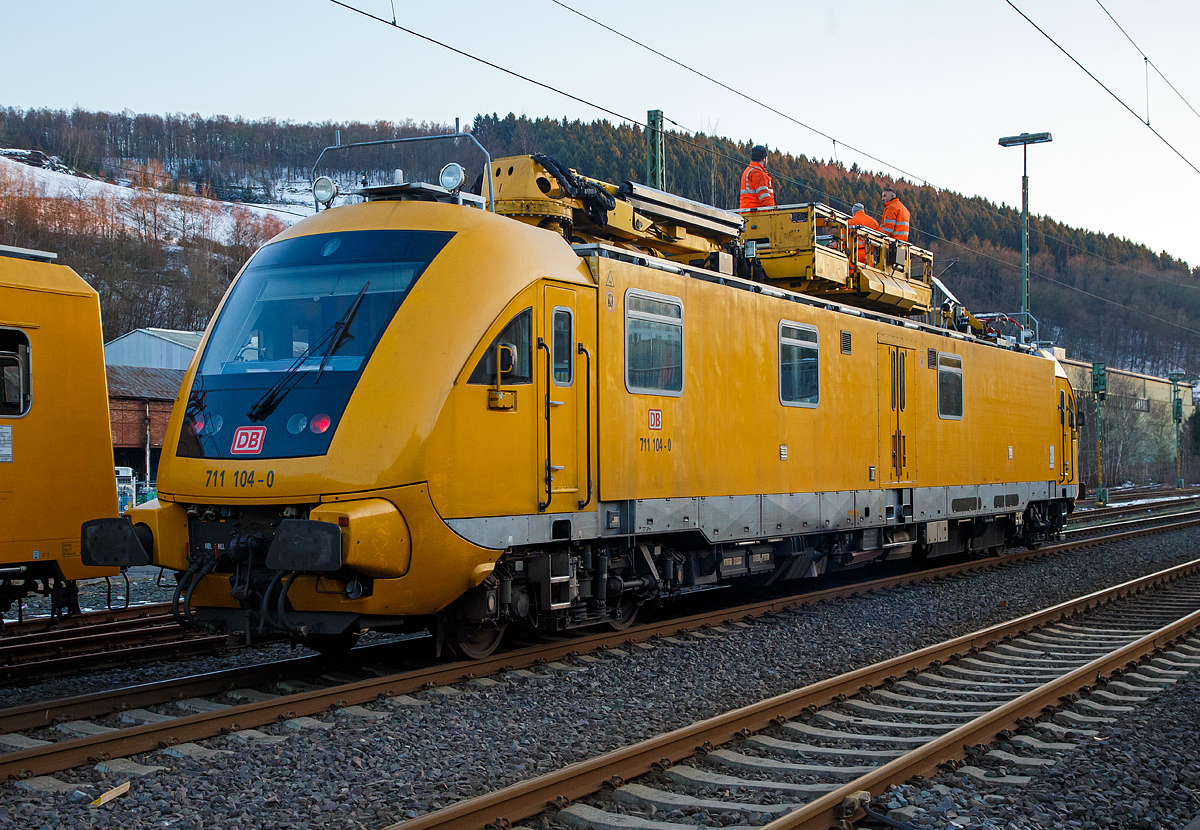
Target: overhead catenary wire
554,89
996,213
1149,63
726,156
737,92
1116,97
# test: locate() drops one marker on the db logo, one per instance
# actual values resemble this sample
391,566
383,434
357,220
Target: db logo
655,419
248,440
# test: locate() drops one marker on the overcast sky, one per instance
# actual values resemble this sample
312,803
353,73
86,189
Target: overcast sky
927,86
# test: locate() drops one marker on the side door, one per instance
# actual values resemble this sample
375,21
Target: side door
897,413
565,386
1068,431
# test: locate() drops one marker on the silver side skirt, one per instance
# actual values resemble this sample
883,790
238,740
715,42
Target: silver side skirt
745,518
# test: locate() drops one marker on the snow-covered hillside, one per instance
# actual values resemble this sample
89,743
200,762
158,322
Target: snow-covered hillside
56,182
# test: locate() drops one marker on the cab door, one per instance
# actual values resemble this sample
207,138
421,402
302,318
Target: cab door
897,413
1068,432
563,386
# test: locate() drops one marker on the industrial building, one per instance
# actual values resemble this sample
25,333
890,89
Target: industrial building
145,370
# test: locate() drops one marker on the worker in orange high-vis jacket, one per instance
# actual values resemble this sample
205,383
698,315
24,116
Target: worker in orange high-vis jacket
859,217
757,188
895,216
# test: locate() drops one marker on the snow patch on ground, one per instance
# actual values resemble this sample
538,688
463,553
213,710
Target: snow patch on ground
56,184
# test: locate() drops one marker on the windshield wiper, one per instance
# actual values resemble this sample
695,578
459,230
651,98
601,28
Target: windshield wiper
334,335
341,330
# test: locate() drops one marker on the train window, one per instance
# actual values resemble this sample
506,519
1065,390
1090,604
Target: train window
563,343
799,366
950,386
518,335
14,373
653,343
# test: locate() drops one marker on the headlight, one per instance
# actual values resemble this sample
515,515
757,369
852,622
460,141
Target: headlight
452,176
324,191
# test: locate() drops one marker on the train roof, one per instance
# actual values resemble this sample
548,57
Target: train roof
605,251
23,268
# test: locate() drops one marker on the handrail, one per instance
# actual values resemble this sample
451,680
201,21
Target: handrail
542,505
486,154
588,434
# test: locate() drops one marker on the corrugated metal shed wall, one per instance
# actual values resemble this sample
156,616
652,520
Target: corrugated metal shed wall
144,348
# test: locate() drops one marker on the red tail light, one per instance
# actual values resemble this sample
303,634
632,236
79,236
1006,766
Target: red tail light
320,423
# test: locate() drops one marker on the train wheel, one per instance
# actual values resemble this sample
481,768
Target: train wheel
624,615
479,643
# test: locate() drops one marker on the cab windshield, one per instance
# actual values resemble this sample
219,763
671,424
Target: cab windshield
295,291
295,334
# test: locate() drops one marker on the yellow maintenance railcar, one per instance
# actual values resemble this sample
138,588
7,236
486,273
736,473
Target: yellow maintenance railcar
55,440
431,408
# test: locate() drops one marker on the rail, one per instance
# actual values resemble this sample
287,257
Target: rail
528,798
71,753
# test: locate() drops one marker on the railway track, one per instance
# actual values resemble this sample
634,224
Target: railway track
74,622
42,647
816,757
48,736
1132,493
1157,506
1112,525
39,649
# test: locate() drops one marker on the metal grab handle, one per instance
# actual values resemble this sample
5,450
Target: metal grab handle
904,450
542,505
588,435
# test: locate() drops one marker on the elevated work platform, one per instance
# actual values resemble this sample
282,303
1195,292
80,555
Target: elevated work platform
813,249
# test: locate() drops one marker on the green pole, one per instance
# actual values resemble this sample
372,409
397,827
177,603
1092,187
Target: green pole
1177,416
656,162
1099,390
1101,492
1025,234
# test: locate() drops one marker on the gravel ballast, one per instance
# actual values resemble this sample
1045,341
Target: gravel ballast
370,772
1141,772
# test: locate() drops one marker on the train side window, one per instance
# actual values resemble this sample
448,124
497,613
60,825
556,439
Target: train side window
950,386
799,365
15,371
563,346
518,335
653,343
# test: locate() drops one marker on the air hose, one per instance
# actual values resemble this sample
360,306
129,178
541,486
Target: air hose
182,585
205,569
597,201
281,610
264,611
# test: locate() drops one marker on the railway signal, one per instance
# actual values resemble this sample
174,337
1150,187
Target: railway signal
1177,416
1099,392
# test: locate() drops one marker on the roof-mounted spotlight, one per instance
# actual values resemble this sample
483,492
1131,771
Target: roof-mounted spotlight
325,191
452,176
